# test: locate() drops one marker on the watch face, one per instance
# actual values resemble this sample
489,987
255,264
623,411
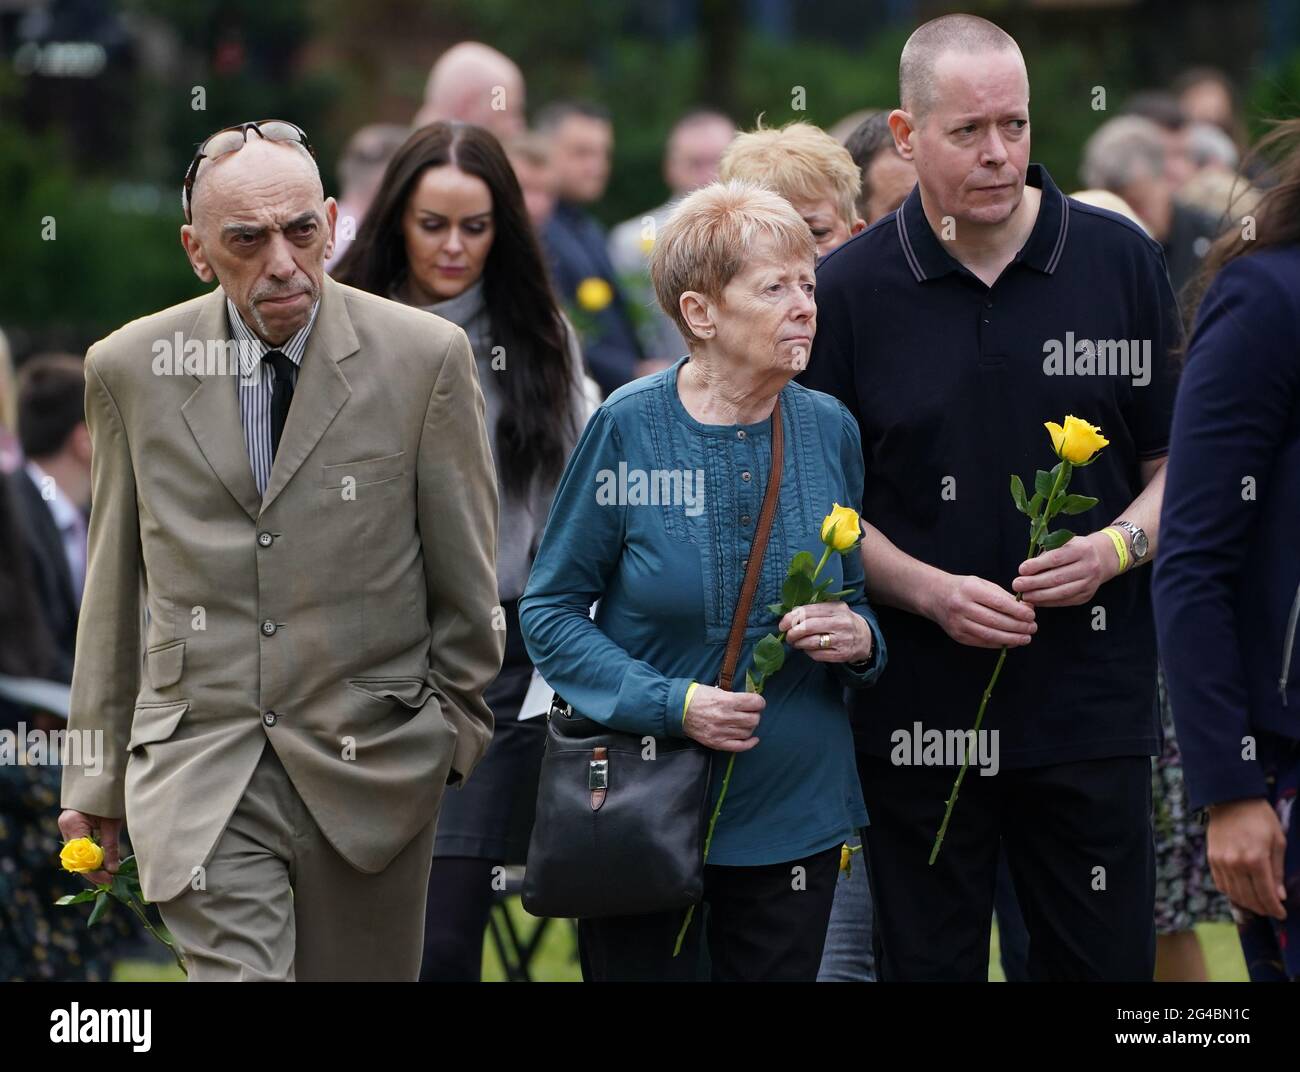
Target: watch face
1140,545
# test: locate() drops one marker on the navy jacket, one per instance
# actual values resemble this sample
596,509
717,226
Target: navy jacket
1227,569
576,248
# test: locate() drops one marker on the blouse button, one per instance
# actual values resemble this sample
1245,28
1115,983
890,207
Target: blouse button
745,476
744,519
740,434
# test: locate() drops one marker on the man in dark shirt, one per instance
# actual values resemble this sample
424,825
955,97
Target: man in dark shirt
581,139
952,330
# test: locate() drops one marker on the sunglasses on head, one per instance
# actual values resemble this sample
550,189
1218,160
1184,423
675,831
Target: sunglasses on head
231,140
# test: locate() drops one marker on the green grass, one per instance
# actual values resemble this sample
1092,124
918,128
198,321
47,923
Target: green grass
557,959
1223,958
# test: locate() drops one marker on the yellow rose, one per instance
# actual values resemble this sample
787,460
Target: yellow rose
841,529
1077,442
594,293
81,855
845,856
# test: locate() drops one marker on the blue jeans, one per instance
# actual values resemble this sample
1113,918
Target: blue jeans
847,956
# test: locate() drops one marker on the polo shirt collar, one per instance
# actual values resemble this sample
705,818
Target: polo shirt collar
252,348
928,259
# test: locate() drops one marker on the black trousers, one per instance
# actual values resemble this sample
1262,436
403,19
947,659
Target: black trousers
757,924
1079,846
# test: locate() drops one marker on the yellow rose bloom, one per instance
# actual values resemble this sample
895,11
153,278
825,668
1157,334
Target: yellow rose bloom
594,293
81,855
845,857
841,529
1077,441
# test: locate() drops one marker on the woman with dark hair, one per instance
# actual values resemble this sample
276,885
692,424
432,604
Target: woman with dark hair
1227,582
448,232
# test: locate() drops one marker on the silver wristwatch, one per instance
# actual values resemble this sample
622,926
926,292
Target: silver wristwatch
1138,546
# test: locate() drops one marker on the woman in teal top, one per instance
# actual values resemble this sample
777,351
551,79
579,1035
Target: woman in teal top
654,517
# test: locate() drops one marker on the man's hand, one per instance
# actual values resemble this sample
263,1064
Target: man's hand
75,824
977,612
1070,575
1245,847
721,720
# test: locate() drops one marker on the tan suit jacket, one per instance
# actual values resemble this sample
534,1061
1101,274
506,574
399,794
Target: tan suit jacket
348,615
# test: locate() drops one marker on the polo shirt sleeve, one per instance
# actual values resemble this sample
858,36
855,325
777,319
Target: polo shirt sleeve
578,555
1152,408
851,465
1236,398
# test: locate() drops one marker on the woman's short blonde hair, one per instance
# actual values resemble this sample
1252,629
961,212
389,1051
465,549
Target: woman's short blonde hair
798,161
712,233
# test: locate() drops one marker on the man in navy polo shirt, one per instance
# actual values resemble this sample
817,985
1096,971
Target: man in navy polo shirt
953,329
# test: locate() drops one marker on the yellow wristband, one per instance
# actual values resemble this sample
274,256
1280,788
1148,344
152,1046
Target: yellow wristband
690,691
1121,545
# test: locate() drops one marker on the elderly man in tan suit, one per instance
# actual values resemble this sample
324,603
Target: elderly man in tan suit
312,529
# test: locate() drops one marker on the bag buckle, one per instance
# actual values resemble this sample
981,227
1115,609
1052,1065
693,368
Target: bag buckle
598,776
559,707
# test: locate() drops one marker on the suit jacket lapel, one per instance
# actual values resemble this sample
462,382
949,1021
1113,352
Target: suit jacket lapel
212,412
320,391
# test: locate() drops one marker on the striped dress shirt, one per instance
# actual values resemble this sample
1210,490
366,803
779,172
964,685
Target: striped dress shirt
255,384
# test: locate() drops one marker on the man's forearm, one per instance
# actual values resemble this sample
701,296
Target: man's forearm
894,578
1144,511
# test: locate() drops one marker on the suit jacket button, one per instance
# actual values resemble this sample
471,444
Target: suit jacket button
269,718
268,628
265,539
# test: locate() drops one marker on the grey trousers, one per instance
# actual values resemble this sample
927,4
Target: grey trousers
280,904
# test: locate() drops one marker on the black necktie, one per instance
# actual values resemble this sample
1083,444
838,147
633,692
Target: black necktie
281,395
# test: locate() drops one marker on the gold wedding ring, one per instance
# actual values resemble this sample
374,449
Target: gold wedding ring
825,642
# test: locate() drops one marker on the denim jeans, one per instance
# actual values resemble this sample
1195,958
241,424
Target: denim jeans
847,957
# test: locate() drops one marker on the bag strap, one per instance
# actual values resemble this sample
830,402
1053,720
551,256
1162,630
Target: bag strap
756,552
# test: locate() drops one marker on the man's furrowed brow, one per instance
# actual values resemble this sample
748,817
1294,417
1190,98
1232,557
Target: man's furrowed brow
251,230
242,230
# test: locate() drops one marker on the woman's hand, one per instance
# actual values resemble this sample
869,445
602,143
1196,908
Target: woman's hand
847,634
721,720
1245,847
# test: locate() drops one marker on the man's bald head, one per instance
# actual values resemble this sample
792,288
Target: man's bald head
966,34
262,229
474,83
258,163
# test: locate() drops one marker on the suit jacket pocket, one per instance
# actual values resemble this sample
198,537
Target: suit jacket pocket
155,722
365,471
411,692
164,664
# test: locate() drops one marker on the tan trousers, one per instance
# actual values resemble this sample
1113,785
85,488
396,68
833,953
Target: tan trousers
280,904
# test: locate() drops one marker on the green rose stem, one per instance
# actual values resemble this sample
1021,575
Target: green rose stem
149,927
726,777
1035,532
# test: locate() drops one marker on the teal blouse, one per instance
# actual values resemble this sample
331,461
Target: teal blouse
654,517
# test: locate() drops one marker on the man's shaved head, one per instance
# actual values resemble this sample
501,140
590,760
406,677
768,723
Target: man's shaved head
264,160
262,229
967,34
474,83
